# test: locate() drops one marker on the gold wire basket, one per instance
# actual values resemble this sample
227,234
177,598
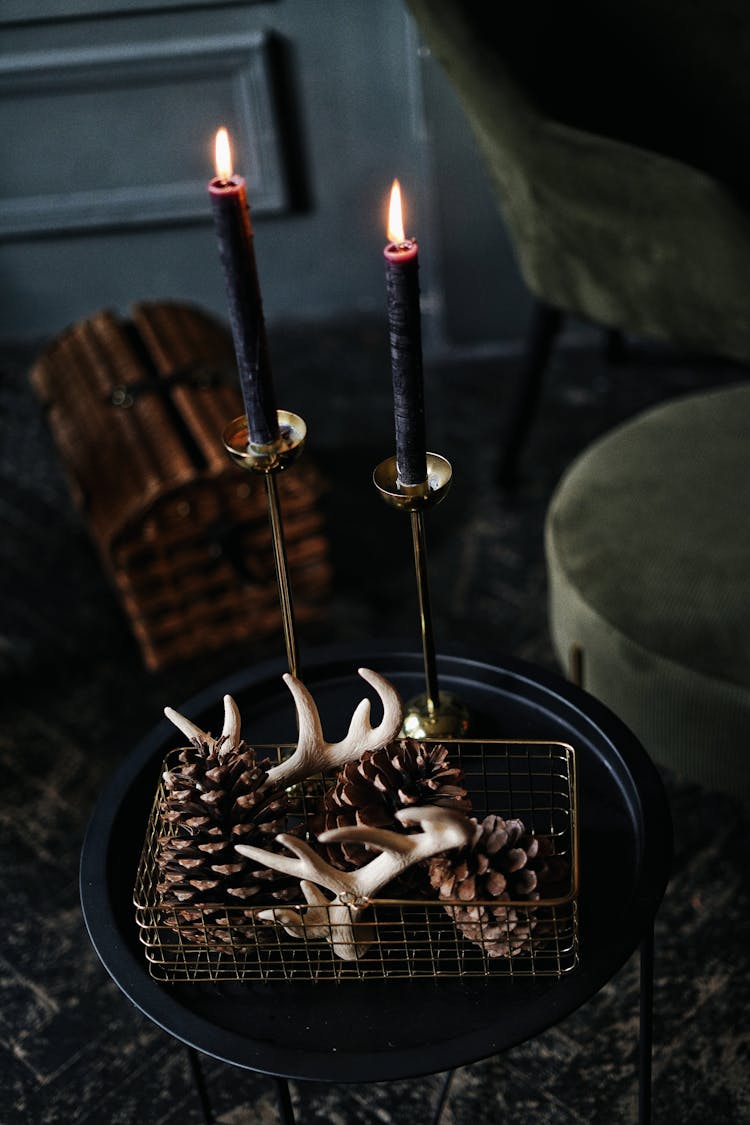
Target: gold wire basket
533,781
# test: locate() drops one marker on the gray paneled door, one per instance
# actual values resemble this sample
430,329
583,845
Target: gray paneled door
108,110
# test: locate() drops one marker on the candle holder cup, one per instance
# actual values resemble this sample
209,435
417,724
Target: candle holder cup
433,714
269,460
272,458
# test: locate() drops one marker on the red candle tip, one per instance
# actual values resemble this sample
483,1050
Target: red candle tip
217,185
401,251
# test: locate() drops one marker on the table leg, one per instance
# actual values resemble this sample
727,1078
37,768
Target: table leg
284,1099
286,1109
200,1085
645,1038
443,1097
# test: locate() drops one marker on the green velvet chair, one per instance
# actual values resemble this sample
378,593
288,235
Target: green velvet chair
647,544
617,141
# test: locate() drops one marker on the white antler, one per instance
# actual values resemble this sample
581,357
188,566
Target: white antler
230,731
313,753
338,920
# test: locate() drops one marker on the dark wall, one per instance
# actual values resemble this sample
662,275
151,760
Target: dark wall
109,108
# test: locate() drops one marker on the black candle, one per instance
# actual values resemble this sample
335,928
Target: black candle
405,333
235,236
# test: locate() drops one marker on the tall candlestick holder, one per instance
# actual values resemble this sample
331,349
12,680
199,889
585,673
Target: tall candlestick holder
435,713
270,460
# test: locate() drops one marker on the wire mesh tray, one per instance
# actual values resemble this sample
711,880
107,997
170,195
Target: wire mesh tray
533,781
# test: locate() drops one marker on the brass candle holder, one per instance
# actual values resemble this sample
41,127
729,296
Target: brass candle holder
270,460
434,714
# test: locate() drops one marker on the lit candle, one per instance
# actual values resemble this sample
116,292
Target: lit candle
235,236
402,285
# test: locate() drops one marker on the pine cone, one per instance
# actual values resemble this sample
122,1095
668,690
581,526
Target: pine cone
214,800
503,863
370,791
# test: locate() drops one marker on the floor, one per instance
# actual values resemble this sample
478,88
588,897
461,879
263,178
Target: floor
76,698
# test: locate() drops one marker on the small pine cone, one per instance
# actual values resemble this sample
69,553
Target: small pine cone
215,798
404,774
502,863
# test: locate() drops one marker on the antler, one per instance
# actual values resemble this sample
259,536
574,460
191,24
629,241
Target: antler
313,753
230,731
336,920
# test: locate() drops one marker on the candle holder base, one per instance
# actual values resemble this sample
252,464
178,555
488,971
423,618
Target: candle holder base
424,719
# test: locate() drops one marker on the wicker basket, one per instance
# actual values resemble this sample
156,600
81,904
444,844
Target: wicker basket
137,410
534,781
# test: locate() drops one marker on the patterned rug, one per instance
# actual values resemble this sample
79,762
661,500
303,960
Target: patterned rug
76,699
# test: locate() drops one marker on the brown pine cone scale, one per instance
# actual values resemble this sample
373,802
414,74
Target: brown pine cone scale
502,864
404,774
216,797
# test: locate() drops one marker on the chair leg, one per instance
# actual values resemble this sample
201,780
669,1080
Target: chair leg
575,664
544,327
645,1037
615,350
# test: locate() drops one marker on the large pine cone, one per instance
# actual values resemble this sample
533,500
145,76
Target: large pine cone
215,798
503,863
404,774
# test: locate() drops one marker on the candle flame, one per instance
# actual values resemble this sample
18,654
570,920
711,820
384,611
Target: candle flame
395,215
223,155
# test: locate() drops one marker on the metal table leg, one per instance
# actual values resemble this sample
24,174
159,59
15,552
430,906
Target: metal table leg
200,1084
443,1097
284,1100
645,1038
286,1109
283,1097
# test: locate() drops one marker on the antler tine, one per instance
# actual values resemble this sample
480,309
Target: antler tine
315,923
334,922
442,829
307,866
437,821
313,753
308,757
230,731
435,815
361,735
188,728
232,724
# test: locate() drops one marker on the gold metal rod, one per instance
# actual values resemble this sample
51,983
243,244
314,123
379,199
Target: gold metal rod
282,572
425,615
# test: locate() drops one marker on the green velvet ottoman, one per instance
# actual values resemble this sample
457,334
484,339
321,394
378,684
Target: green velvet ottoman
647,543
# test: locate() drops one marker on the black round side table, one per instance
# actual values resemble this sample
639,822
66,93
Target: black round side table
369,1031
